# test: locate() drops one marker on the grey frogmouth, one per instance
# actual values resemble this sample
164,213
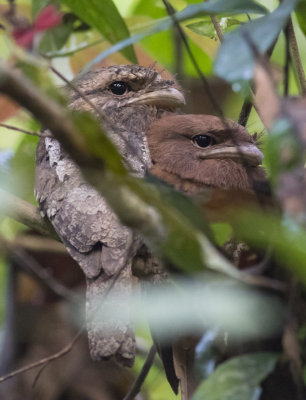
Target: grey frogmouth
128,98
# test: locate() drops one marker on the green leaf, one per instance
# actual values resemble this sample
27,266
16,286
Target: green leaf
285,236
206,28
301,15
229,7
104,16
54,39
38,5
235,59
237,379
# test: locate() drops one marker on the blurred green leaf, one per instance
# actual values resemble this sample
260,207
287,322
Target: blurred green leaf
237,379
285,237
281,141
41,77
301,14
104,16
103,148
206,28
235,59
38,5
229,7
191,306
54,39
151,8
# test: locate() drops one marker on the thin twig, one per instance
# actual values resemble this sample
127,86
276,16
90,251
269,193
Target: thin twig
45,360
136,387
204,81
245,112
32,133
287,61
296,58
216,23
79,92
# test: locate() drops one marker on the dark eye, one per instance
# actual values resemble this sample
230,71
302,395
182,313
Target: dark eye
118,87
203,140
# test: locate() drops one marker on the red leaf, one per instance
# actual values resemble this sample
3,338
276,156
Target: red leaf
24,37
47,18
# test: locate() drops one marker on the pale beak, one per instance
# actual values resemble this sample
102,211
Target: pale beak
248,154
167,98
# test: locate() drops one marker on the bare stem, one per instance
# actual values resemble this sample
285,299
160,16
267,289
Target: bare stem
217,26
44,361
15,128
296,58
136,387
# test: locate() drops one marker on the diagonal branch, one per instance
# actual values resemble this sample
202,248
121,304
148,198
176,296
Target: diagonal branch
44,361
15,128
25,213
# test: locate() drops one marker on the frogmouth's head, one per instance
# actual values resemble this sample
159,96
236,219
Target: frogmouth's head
206,150
126,85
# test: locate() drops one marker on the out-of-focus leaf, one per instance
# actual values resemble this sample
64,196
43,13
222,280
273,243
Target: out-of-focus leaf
235,59
207,302
285,237
229,7
38,5
106,151
153,44
238,379
222,232
22,167
206,28
54,39
206,44
282,151
301,14
40,76
151,8
104,16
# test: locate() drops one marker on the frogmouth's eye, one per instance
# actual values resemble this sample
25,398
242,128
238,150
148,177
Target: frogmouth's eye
203,140
119,88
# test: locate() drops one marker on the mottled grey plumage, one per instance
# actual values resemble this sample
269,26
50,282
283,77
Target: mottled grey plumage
86,224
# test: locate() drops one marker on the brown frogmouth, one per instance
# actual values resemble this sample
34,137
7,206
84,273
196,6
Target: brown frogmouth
216,162
129,98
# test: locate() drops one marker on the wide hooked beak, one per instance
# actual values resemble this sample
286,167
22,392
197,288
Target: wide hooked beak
166,98
248,154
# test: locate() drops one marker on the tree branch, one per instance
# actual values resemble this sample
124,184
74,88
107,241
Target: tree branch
25,213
